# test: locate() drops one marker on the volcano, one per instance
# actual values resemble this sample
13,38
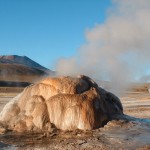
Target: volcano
21,60
68,103
20,70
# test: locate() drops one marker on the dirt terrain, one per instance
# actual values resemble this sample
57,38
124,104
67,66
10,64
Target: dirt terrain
131,133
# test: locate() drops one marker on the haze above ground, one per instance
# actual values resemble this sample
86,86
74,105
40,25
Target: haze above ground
47,30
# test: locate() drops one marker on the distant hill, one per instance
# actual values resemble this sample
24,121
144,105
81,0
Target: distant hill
21,60
14,68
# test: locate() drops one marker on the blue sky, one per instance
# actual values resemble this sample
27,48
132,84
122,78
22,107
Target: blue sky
45,30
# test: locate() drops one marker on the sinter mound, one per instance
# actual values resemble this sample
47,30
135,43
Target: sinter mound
67,103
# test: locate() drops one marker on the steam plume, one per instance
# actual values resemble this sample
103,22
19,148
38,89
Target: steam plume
117,50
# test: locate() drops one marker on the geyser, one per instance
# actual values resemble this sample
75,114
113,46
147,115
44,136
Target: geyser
68,103
116,50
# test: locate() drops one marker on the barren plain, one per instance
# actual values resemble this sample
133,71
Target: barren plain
130,133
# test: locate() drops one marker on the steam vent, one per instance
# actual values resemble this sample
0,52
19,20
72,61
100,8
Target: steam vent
68,103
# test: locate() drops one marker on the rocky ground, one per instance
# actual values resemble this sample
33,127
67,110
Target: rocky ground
122,134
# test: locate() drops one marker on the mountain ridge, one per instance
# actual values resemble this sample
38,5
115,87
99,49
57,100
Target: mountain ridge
14,68
22,60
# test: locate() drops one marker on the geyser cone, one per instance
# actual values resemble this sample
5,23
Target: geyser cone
68,103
